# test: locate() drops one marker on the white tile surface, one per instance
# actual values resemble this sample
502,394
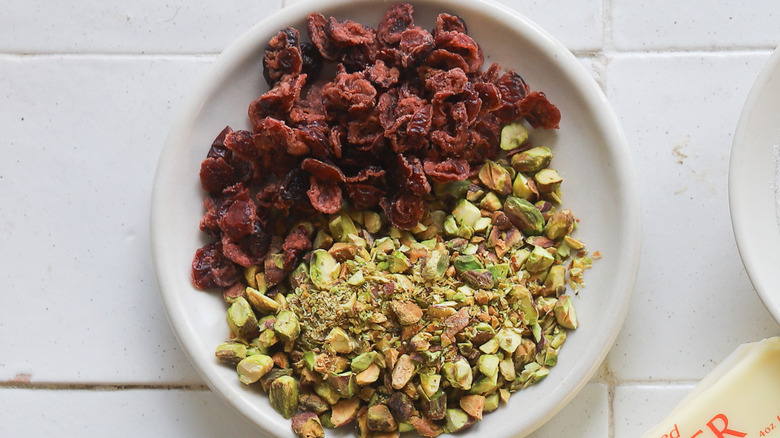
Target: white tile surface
587,416
81,138
118,413
140,26
679,118
672,24
638,408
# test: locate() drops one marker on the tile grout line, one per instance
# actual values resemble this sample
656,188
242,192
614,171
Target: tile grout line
56,386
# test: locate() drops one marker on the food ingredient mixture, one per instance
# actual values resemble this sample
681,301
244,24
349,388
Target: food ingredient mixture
391,245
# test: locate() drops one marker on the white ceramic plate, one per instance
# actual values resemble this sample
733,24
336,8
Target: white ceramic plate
753,185
591,154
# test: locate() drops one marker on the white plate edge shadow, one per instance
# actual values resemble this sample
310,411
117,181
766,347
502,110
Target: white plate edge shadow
752,185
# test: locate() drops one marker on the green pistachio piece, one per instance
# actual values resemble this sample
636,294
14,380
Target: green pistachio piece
539,260
465,263
488,364
491,202
451,191
430,382
466,213
491,402
307,425
341,227
242,320
560,224
521,188
287,326
548,180
250,274
251,369
508,339
495,177
340,341
324,269
456,419
436,264
322,240
372,221
489,347
327,392
361,362
513,136
345,384
532,160
299,275
507,368
555,283
525,304
231,353
499,271
450,226
478,278
283,395
458,373
524,215
485,385
380,419
435,406
564,313
474,192
398,263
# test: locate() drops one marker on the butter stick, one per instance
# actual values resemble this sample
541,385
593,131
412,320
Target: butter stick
739,398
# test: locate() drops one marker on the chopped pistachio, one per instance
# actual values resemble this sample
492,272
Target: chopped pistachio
344,412
524,215
307,425
249,275
560,224
368,375
473,404
488,364
408,313
458,373
327,392
252,368
523,188
513,136
547,180
340,342
287,326
555,282
341,227
231,353
261,302
324,269
456,419
491,403
380,419
398,263
532,160
345,384
283,395
495,177
564,313
242,320
466,213
403,371
430,383
539,260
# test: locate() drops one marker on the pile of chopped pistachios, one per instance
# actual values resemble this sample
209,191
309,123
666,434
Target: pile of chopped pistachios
423,330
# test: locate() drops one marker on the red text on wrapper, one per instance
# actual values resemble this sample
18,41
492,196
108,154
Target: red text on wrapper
717,427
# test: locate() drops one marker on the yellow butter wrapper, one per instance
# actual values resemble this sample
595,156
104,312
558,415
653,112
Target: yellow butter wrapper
739,398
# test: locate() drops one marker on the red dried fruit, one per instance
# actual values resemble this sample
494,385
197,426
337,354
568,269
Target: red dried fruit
411,175
210,268
539,112
324,172
396,19
282,56
449,23
463,45
349,33
364,196
325,197
317,28
404,211
447,171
